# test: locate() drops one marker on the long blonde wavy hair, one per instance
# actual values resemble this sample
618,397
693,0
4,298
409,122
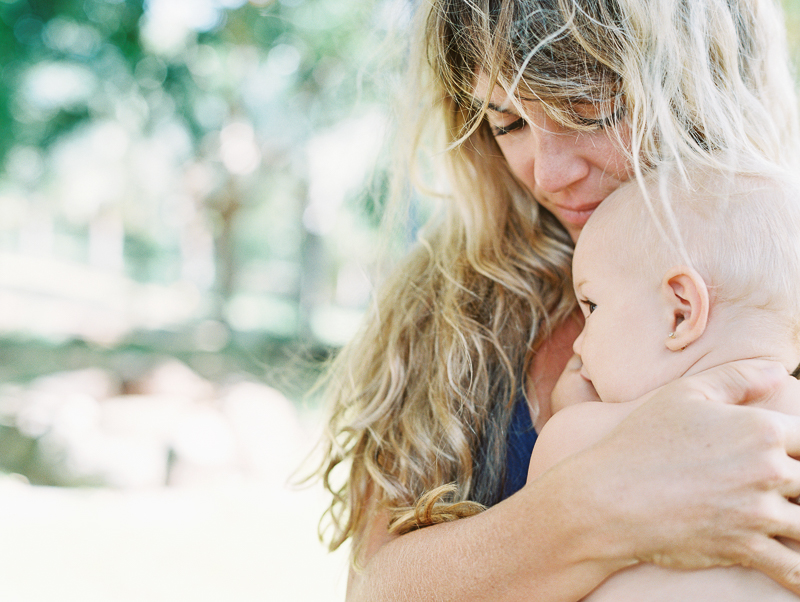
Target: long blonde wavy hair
421,398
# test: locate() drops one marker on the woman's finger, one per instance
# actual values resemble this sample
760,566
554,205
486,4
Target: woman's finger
744,381
784,521
757,383
789,485
790,437
779,562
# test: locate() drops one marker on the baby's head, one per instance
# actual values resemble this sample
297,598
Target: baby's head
711,275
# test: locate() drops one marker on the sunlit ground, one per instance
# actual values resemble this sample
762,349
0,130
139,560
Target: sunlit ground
188,497
184,463
235,539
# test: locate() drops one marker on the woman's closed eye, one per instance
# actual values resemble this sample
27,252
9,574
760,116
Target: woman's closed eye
602,123
501,130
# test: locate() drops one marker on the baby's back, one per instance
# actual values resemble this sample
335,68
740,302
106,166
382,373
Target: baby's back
649,583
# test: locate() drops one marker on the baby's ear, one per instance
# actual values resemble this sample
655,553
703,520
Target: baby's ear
686,295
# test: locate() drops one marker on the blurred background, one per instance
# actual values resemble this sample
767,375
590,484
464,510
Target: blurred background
189,198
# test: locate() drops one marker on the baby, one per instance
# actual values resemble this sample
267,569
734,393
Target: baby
668,293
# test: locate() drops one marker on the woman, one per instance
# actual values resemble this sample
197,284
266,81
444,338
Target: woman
544,107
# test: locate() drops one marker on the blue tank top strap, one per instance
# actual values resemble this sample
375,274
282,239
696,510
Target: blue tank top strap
521,439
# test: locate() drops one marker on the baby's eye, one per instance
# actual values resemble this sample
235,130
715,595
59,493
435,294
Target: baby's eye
501,130
590,307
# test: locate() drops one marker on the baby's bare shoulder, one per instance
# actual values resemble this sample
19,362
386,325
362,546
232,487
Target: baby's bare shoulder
574,428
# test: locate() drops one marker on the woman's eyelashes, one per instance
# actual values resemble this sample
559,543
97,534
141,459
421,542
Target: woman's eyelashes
599,123
501,130
602,123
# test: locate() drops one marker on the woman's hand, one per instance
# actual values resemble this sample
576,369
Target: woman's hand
695,478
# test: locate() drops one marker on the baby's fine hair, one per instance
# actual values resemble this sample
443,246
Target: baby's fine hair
739,229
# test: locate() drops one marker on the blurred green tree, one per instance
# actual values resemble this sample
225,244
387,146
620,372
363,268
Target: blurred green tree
203,141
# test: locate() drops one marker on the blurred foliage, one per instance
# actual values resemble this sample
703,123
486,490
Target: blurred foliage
183,179
211,143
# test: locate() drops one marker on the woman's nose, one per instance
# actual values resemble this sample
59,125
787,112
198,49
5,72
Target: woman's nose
558,162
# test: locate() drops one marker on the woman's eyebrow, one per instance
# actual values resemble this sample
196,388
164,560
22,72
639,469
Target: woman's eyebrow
499,109
478,106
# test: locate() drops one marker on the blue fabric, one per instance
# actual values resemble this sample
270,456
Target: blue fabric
521,438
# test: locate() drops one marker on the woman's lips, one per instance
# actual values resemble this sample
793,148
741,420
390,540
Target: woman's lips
577,215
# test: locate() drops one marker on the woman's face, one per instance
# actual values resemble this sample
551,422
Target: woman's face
568,172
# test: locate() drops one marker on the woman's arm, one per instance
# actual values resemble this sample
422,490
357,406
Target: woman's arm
684,481
534,545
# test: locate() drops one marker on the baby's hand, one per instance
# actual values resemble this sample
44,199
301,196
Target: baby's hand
571,387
